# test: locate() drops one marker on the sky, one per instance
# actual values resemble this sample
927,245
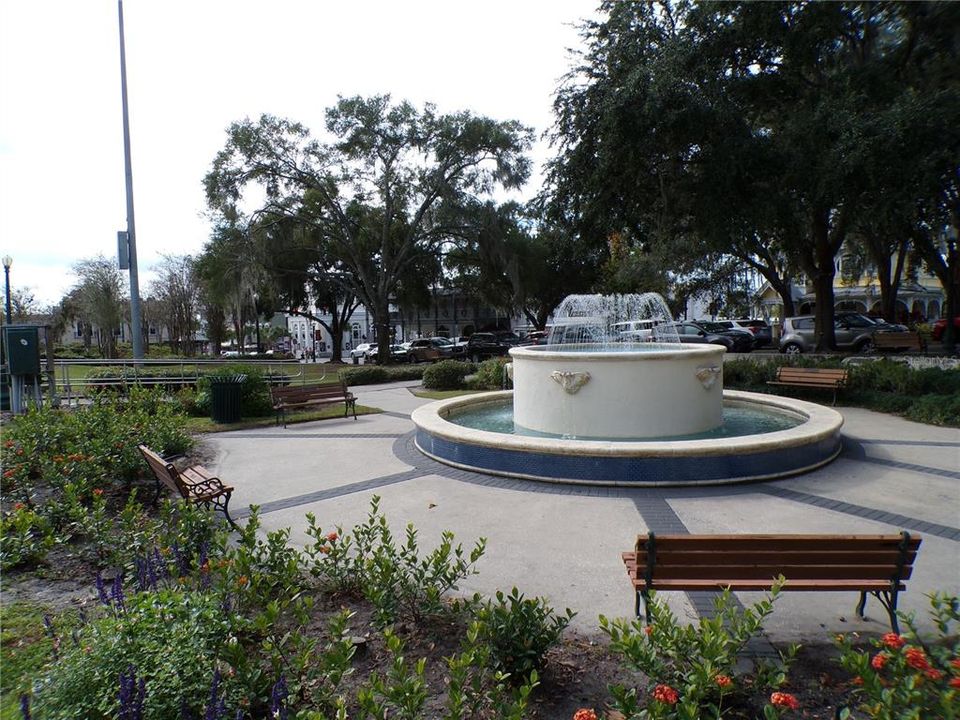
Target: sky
195,66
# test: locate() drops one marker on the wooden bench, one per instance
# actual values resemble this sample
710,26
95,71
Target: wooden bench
875,564
827,378
899,341
303,396
194,484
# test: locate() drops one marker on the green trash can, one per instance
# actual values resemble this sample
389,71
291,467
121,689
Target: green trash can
225,392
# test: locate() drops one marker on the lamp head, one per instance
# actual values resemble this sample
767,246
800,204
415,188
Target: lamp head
7,261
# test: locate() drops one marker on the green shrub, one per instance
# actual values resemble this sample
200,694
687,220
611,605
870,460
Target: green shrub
907,677
935,410
375,374
254,391
520,631
169,638
399,582
446,375
365,375
693,667
490,374
25,536
748,374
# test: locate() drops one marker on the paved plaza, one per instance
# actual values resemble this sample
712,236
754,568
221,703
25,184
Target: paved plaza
564,541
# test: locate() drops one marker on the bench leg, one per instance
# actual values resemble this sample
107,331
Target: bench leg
643,598
221,503
889,601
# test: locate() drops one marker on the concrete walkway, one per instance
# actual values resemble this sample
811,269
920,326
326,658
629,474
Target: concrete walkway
564,542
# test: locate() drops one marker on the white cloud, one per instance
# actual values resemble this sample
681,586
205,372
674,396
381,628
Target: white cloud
195,66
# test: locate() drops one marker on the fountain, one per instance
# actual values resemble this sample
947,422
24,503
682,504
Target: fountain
615,398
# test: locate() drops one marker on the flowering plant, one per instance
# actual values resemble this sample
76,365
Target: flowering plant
904,676
693,667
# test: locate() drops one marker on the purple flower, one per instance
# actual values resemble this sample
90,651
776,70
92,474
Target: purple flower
215,707
25,706
278,699
101,590
48,624
116,594
131,696
142,581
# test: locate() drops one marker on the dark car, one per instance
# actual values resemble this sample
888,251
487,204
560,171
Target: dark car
537,337
484,345
761,331
431,349
695,332
398,354
741,341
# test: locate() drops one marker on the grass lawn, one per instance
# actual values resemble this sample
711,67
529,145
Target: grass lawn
24,651
206,425
442,394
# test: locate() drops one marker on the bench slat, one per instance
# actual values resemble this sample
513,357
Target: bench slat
770,542
765,572
753,584
754,557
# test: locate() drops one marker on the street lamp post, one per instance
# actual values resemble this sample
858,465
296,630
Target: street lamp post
7,262
256,310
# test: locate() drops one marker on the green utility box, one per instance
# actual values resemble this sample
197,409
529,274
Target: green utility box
23,349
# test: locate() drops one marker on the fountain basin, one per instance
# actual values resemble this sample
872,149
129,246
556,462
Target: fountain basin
651,462
641,390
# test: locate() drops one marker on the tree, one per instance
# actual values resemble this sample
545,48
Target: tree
382,192
759,129
100,296
176,291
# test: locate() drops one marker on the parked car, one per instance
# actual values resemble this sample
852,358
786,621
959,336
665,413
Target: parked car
536,337
741,341
484,345
940,327
435,348
853,331
398,354
761,331
360,351
694,332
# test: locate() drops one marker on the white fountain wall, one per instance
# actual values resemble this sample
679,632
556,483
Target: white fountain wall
657,391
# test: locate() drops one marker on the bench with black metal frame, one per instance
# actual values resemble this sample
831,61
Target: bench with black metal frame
295,397
874,564
825,378
194,484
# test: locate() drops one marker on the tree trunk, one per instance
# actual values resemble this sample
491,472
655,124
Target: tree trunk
382,324
823,274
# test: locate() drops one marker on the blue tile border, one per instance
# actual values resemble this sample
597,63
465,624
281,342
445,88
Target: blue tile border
631,471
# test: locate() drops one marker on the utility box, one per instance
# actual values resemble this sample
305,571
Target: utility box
23,349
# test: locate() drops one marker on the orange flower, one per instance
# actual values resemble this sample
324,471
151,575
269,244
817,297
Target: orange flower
917,659
666,694
332,537
58,458
784,700
9,474
934,674
18,506
857,680
954,682
205,568
19,451
955,663
585,714
97,492
893,641
324,549
648,630
9,444
879,660
723,681
242,581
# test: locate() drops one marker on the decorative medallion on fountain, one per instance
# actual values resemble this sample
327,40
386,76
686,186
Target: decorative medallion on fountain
571,382
708,376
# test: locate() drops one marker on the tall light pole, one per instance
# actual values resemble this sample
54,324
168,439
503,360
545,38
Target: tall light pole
7,262
131,235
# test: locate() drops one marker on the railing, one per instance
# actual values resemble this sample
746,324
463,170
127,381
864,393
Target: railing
69,388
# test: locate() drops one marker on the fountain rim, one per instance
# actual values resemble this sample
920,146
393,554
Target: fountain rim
820,423
650,351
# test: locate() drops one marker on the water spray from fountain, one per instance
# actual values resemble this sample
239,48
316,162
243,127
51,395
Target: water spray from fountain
612,322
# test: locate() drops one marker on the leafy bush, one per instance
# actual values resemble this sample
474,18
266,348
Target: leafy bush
374,374
171,639
693,667
119,378
747,373
895,377
395,579
519,631
254,391
366,375
490,374
25,536
446,375
907,677
935,410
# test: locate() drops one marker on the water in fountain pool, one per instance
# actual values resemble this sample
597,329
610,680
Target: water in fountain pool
738,421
